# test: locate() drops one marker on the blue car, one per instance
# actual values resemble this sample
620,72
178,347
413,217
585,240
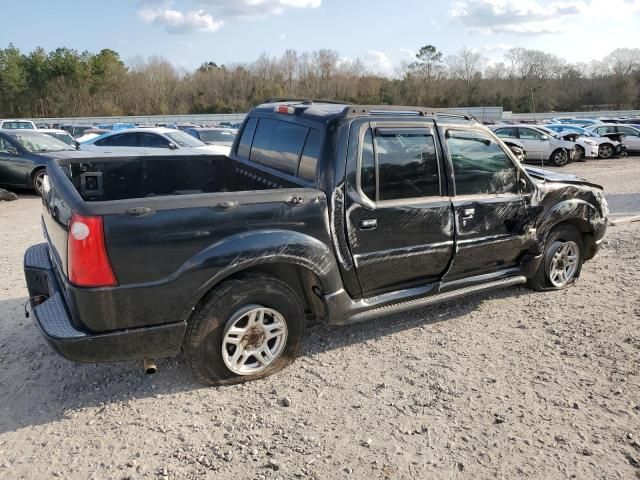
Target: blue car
583,122
564,127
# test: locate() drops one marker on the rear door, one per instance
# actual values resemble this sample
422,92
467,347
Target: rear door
492,216
399,218
14,166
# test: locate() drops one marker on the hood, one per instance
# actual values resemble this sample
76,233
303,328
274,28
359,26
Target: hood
555,177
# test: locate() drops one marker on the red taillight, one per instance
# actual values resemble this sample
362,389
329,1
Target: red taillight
87,253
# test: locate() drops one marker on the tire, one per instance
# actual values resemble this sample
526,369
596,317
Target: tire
562,236
37,179
231,313
559,157
606,151
581,155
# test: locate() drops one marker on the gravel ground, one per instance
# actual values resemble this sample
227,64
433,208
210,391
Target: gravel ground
507,385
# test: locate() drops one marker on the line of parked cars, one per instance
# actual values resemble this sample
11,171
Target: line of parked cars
563,140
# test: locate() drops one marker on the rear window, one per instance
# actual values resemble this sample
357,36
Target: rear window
18,125
278,145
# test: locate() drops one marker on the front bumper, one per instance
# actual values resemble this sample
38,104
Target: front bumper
591,151
54,321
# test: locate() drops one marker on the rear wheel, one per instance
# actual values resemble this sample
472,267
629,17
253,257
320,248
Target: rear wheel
606,151
38,180
562,261
560,157
247,328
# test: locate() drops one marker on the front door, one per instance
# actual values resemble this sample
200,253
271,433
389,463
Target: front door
14,167
535,147
492,217
399,219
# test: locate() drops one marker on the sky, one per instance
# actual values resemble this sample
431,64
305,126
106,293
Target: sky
383,33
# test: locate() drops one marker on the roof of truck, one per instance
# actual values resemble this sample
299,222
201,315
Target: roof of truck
325,110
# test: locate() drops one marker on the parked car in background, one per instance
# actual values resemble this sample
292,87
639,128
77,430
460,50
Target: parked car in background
583,122
607,147
61,135
631,134
213,135
122,126
148,141
540,145
585,148
91,134
76,131
17,125
185,125
24,154
632,121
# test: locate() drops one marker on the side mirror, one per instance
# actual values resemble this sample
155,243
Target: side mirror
172,146
544,137
13,151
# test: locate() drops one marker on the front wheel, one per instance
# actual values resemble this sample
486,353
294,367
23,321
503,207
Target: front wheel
581,156
560,157
38,181
606,151
247,328
562,261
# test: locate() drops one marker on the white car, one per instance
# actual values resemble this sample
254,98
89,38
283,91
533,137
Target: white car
632,134
18,124
585,147
138,141
539,144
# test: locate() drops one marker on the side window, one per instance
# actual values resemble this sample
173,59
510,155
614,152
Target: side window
507,132
368,166
605,130
480,165
154,141
3,146
310,154
529,134
122,140
407,163
628,131
244,146
278,145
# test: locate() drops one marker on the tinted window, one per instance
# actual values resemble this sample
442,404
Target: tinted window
507,132
529,134
121,140
244,147
18,125
480,165
278,144
4,145
154,141
605,130
310,154
407,164
368,167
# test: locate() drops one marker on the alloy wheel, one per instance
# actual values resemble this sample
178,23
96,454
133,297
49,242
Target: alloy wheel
564,263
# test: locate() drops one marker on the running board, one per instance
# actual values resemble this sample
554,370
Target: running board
433,299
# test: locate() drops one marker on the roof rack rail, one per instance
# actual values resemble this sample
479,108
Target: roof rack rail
355,110
305,100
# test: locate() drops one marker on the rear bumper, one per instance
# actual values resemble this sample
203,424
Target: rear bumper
52,317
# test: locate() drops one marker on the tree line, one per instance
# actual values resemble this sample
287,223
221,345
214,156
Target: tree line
65,82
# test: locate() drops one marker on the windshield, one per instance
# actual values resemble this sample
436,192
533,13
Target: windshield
63,137
41,143
217,136
183,139
17,125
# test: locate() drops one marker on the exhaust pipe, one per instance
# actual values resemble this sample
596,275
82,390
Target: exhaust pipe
149,366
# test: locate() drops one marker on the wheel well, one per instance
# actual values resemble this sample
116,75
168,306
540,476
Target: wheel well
303,281
586,232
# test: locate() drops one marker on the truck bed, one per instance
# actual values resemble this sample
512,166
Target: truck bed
163,220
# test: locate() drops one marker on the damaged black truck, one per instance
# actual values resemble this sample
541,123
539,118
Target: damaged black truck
322,211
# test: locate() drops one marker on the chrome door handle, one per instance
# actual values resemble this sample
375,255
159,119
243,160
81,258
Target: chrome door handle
468,213
368,224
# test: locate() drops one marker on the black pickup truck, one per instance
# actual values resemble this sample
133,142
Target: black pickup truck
322,211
